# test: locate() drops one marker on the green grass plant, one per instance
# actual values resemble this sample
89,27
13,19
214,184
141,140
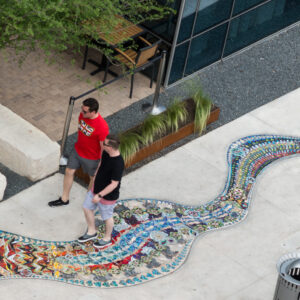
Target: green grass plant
152,126
202,110
156,126
175,114
129,144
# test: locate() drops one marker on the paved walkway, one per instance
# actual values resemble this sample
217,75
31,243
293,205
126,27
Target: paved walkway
273,62
237,263
40,93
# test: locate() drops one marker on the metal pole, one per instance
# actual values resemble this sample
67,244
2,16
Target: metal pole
63,160
174,43
154,109
227,30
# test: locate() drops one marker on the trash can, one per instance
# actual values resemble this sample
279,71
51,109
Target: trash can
288,283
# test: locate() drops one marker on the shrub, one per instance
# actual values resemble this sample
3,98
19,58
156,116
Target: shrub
152,126
175,114
202,110
129,145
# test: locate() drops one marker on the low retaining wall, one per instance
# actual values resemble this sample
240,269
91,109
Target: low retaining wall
2,185
25,149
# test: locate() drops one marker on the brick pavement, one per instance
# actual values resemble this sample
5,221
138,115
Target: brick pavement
39,92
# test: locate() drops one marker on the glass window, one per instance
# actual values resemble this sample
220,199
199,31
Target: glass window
261,22
165,27
241,5
212,12
178,62
206,49
187,21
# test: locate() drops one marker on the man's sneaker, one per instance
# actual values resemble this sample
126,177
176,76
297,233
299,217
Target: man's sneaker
101,243
58,202
86,237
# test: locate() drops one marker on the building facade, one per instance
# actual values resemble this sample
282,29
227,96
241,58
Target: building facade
202,32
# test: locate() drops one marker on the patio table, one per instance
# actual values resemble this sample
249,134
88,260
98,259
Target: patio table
123,31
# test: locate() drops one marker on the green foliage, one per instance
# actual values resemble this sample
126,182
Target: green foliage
155,126
129,145
151,127
175,114
202,110
55,25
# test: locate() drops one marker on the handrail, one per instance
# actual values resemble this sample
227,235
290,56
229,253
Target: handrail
63,159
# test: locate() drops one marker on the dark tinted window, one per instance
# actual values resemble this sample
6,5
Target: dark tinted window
206,49
178,62
187,21
261,22
212,12
165,28
241,5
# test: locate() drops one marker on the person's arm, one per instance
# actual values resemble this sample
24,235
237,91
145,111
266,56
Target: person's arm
101,148
92,178
108,189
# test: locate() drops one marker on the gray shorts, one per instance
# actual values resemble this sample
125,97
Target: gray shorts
106,210
89,166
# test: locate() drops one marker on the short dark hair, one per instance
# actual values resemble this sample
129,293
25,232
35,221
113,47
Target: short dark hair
113,141
92,104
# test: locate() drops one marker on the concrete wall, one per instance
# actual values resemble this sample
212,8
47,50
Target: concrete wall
25,149
2,185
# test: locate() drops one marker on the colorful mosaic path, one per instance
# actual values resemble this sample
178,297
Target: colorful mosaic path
151,238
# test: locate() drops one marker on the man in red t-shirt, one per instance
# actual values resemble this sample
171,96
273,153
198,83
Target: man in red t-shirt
92,131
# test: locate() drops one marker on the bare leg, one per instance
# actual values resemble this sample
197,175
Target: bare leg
68,181
109,225
90,219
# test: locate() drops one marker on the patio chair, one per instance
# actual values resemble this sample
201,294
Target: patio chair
132,59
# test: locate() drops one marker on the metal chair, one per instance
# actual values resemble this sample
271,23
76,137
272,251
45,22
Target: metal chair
132,59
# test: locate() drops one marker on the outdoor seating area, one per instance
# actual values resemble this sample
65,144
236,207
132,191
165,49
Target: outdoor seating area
40,93
127,47
123,31
134,59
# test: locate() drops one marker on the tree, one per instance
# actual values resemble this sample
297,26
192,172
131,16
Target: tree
55,25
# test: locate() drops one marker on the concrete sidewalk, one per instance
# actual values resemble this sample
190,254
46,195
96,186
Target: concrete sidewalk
236,263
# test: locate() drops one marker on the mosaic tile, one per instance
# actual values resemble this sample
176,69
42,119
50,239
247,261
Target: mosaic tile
151,238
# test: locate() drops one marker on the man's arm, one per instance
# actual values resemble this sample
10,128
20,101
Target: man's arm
92,178
108,189
101,148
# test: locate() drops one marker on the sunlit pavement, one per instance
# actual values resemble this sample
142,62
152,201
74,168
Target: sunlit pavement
236,263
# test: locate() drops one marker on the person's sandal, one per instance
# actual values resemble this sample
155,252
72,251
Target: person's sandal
57,203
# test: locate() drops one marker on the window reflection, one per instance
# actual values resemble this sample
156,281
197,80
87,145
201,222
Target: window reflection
187,22
212,12
261,22
241,5
249,27
206,49
165,27
178,62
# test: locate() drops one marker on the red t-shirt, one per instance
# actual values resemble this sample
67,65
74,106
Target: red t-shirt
90,133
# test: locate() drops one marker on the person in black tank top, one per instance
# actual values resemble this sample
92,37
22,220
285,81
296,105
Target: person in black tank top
105,192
